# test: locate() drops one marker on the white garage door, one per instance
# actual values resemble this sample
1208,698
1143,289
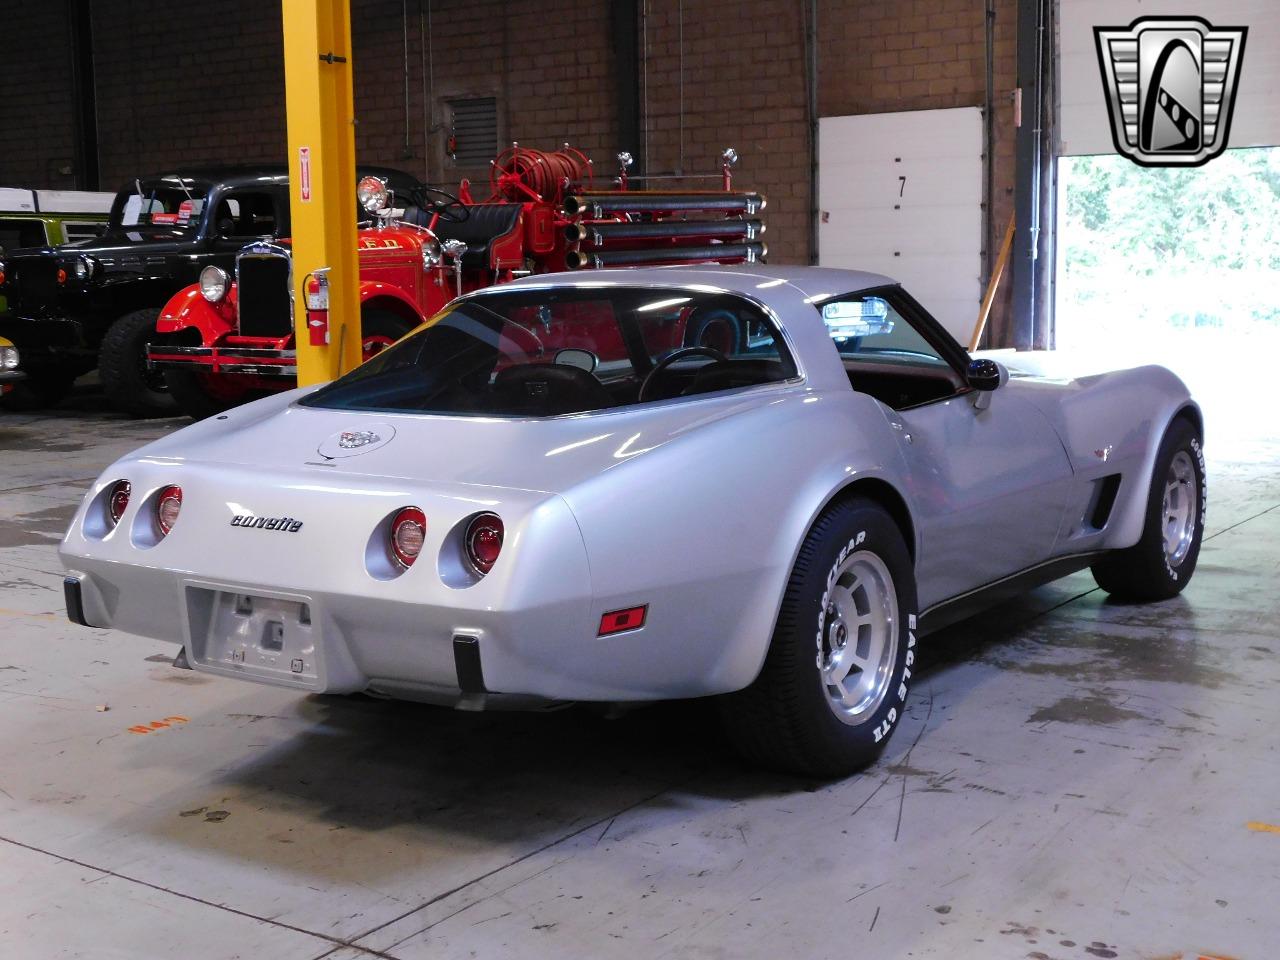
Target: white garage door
1085,127
901,194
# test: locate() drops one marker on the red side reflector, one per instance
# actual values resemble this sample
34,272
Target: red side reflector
616,621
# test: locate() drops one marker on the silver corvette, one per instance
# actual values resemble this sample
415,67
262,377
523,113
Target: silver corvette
764,484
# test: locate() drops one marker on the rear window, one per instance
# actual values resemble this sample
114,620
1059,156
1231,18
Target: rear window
544,353
159,203
16,233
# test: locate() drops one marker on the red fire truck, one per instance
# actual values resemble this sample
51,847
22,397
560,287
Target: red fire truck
228,339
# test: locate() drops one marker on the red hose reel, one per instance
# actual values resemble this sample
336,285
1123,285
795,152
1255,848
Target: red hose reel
520,174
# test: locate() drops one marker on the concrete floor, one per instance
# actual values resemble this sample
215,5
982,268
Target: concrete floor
1074,779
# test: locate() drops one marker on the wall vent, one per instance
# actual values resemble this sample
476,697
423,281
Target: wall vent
474,131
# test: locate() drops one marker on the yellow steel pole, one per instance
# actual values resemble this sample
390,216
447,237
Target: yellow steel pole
322,177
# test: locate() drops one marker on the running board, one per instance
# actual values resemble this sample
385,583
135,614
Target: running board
951,611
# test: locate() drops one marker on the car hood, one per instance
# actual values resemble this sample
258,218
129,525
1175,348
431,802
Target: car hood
544,455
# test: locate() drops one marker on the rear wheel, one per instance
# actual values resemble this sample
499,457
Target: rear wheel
834,682
122,364
1161,563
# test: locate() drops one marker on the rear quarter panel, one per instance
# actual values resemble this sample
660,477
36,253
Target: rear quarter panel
705,530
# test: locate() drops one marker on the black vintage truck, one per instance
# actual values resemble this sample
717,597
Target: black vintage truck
95,304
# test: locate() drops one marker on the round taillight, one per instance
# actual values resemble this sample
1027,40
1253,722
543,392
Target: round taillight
62,276
484,542
168,505
408,532
118,500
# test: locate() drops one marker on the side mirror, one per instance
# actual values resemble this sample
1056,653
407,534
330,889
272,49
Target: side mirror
582,359
985,376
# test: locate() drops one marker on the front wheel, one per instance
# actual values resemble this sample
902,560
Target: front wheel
379,329
200,395
122,365
833,687
1161,563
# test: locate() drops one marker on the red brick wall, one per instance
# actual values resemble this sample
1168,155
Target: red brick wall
170,94
173,91
879,57
36,128
744,87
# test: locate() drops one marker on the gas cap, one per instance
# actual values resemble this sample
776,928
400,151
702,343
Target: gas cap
356,440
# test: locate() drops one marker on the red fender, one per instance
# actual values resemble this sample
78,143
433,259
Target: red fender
188,308
377,290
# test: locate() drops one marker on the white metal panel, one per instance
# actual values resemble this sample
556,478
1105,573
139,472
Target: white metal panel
74,201
1085,127
901,194
13,199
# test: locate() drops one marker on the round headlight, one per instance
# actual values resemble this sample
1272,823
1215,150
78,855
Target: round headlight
83,268
431,255
8,358
213,283
372,194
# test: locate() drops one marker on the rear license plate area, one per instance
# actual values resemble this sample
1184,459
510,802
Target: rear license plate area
265,638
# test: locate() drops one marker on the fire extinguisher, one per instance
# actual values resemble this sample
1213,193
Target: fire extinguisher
316,285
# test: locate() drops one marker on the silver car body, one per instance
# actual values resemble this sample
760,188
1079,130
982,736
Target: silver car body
696,507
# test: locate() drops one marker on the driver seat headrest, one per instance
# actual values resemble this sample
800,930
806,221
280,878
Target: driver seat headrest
548,390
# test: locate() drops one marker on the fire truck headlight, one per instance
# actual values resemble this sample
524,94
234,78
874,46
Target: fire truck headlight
372,194
213,283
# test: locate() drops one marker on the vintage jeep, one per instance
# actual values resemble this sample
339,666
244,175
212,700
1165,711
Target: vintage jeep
230,337
50,218
71,309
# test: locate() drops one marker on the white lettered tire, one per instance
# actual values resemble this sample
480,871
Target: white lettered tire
1160,564
834,684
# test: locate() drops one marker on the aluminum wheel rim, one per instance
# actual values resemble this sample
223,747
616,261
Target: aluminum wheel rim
1180,508
858,645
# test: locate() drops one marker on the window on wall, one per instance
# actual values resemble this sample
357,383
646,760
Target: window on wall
474,131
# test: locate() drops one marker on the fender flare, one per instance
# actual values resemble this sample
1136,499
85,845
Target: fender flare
188,309
391,298
1131,514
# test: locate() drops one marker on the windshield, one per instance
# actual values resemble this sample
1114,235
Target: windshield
541,353
159,204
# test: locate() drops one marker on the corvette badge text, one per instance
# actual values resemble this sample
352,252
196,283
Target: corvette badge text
1170,84
284,524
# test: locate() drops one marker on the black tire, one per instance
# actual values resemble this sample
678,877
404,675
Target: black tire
784,719
191,398
38,392
122,365
376,322
1146,571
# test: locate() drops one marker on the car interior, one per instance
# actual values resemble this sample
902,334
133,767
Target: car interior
541,359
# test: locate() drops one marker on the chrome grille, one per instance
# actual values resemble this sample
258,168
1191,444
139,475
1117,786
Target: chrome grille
264,294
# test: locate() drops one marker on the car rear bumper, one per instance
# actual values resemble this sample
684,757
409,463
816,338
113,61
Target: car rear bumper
344,643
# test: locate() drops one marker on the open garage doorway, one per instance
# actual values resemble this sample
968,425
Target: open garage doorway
1179,267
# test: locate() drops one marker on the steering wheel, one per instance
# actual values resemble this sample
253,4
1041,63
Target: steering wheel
674,357
444,204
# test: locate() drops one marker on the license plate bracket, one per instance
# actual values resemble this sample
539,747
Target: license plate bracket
249,634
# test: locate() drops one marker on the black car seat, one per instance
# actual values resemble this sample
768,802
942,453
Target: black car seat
548,390
486,223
